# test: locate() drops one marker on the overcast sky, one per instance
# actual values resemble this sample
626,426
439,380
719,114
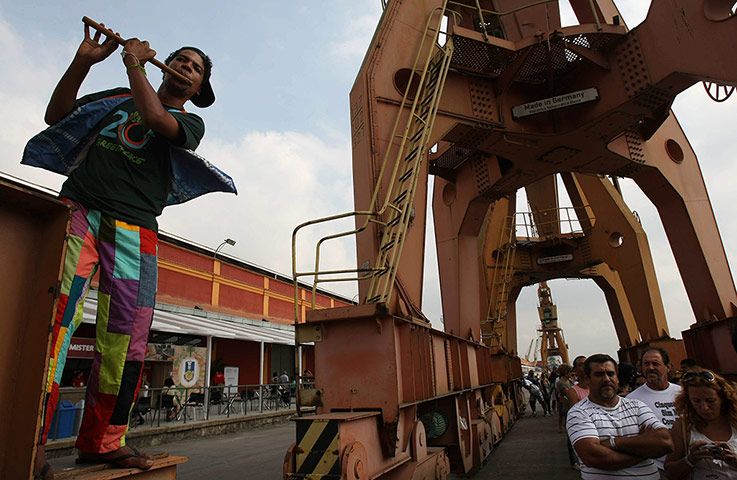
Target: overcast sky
280,127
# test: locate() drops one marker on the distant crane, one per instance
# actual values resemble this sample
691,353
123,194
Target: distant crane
536,342
550,342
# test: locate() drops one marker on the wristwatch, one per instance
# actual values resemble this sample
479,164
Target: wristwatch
612,443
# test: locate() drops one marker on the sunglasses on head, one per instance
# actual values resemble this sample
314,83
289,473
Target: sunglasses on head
708,376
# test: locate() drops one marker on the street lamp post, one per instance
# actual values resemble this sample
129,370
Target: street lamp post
231,242
227,241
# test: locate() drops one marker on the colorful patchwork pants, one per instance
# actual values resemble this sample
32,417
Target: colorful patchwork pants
126,258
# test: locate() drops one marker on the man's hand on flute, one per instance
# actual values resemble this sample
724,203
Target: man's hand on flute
92,51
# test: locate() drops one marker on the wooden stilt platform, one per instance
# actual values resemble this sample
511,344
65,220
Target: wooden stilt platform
164,468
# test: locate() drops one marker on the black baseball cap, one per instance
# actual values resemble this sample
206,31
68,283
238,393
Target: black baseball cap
206,97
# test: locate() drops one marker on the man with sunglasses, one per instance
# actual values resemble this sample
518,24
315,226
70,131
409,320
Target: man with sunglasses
657,392
615,437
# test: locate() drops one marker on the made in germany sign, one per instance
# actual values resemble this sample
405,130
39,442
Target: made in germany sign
554,103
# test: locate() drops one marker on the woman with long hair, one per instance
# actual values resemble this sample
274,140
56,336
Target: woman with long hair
563,388
174,402
705,437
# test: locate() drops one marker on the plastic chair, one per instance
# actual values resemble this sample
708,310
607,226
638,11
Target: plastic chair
271,402
195,403
250,396
166,404
141,409
236,404
286,397
216,397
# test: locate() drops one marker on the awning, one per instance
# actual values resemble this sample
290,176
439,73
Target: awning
195,325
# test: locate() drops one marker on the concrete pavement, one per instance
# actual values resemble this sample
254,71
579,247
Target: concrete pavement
532,449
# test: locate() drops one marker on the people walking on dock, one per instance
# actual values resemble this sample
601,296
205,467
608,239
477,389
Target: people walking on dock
532,385
562,386
581,386
547,391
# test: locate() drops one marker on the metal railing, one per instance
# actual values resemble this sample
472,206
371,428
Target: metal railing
484,14
151,410
562,221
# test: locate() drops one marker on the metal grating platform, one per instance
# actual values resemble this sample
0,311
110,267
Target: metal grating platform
548,56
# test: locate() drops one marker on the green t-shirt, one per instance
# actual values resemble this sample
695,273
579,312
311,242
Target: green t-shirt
126,173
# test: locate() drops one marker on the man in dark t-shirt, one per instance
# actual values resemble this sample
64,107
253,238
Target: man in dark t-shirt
126,172
118,188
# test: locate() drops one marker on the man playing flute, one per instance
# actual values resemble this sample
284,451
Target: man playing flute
120,177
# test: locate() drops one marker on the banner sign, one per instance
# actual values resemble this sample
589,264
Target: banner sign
81,348
231,376
189,366
554,103
555,259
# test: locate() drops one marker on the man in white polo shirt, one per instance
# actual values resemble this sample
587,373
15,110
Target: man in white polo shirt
658,393
614,437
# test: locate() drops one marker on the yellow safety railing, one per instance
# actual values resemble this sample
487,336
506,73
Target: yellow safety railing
422,110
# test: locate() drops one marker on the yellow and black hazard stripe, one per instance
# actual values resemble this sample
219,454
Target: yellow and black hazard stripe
317,452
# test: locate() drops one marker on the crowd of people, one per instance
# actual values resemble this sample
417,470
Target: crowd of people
646,421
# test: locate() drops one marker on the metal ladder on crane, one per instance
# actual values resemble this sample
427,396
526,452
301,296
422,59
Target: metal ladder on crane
412,151
492,329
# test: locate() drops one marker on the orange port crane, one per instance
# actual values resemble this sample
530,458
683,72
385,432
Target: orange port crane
491,96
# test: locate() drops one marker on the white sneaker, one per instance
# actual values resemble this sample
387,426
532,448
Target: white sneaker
576,466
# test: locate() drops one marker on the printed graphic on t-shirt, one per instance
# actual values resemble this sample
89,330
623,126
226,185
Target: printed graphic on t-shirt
660,401
129,131
667,411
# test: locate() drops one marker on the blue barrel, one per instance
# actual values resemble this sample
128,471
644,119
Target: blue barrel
62,426
78,417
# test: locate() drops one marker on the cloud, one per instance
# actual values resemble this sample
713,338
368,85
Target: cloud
26,89
283,179
633,12
355,37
